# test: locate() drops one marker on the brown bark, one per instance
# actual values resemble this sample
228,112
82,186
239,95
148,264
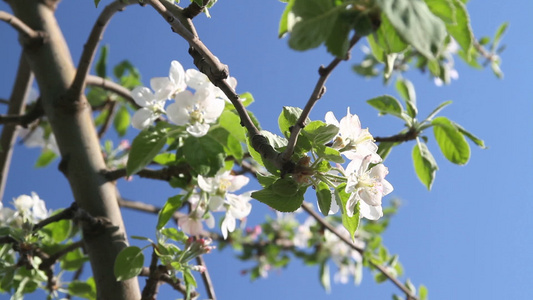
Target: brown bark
82,161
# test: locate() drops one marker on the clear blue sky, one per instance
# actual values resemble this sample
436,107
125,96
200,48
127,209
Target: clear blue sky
469,238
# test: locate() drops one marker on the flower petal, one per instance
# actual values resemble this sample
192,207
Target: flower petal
178,114
197,129
142,96
142,118
370,212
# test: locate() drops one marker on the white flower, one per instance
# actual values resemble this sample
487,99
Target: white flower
196,111
36,138
367,185
151,107
219,185
167,87
353,141
31,207
198,81
191,224
237,207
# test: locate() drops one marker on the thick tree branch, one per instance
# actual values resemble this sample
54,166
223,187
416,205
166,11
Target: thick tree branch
21,87
319,90
89,49
411,134
348,242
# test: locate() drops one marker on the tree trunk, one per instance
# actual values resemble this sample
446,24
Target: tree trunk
82,160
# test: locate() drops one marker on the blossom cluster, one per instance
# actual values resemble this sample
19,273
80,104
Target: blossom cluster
365,174
217,195
28,209
195,110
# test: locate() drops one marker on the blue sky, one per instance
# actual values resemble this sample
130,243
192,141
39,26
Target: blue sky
469,238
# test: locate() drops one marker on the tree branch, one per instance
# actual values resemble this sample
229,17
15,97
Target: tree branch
348,242
89,49
411,134
29,36
112,87
206,279
173,282
23,119
164,174
319,90
107,122
66,214
21,87
152,282
217,72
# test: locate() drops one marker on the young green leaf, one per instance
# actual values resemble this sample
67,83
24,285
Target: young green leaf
438,109
450,140
460,30
416,24
444,9
205,155
407,91
325,276
172,204
329,154
129,263
424,163
423,292
101,63
232,123
46,157
469,135
288,117
319,133
144,148
287,19
350,223
283,195
122,120
387,105
323,195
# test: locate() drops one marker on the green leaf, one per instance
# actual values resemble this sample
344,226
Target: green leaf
101,63
337,43
469,135
387,39
438,109
416,24
59,231
46,157
82,289
424,163
387,105
144,148
174,234
444,9
329,154
460,30
287,19
165,158
422,292
451,142
497,37
288,117
316,22
283,195
407,91
132,79
232,123
350,223
205,155
189,278
323,194
325,280
122,120
246,99
73,260
172,204
319,133
232,146
129,263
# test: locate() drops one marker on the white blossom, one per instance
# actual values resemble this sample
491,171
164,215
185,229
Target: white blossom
199,81
151,107
31,207
368,185
353,141
196,110
167,87
237,207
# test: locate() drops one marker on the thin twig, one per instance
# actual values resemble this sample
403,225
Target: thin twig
21,87
319,90
66,214
89,49
111,86
346,240
164,174
206,279
111,105
53,258
152,282
175,283
411,134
